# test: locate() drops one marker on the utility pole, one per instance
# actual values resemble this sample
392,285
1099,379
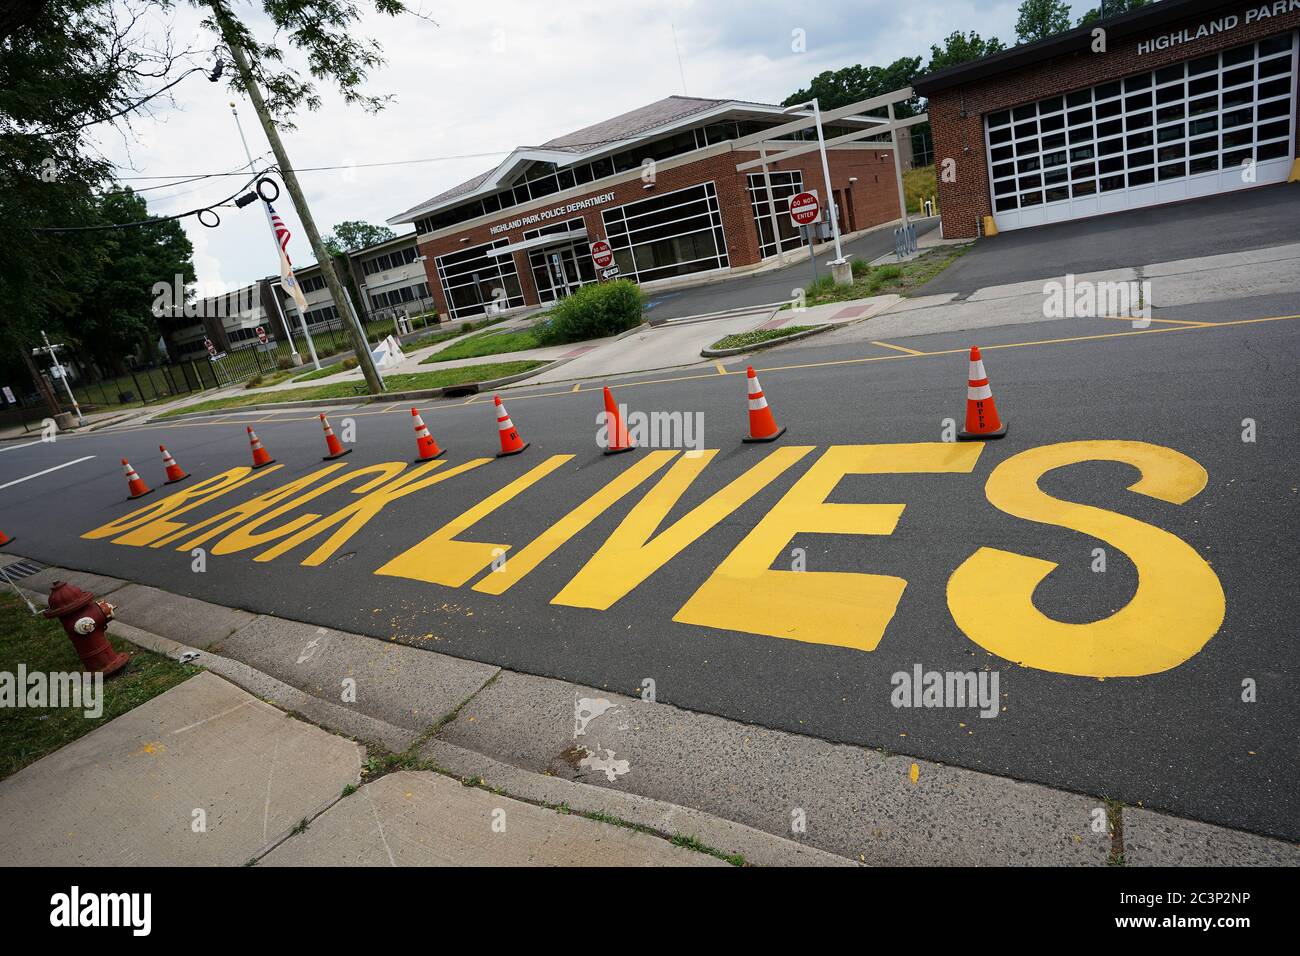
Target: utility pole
62,373
284,319
362,348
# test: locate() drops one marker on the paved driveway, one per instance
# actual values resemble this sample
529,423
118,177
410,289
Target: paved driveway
774,286
1257,219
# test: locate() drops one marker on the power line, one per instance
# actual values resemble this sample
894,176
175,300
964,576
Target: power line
311,169
155,219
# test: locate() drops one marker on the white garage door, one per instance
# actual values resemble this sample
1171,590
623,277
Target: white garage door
1209,125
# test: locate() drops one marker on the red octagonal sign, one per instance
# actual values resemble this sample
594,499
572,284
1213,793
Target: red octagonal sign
804,209
602,254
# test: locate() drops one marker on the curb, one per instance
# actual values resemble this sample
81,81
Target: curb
770,343
465,388
512,730
735,313
665,818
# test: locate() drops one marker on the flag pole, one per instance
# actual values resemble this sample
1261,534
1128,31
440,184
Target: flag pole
284,320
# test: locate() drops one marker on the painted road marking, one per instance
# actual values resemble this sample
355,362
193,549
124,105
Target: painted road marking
576,386
1186,326
19,481
1130,318
1177,607
886,345
27,445
722,369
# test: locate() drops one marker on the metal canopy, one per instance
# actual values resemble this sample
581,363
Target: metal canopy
537,241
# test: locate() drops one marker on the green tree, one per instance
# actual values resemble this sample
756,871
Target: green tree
1040,19
835,88
961,47
1111,8
65,65
353,234
114,317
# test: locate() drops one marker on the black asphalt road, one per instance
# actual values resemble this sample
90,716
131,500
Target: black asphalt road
1231,222
773,286
1181,740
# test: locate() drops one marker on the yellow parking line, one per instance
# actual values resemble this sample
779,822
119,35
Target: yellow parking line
576,386
1130,318
720,367
886,345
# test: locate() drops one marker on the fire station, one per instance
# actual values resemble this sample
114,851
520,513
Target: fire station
1171,102
660,184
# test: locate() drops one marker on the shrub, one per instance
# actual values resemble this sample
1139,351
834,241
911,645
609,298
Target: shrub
253,382
467,327
594,311
918,186
285,363
350,363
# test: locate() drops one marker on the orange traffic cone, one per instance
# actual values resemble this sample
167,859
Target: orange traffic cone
335,447
134,483
982,421
425,447
762,426
260,455
174,471
4,539
511,443
617,438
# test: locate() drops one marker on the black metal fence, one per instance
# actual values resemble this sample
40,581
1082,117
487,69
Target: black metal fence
163,382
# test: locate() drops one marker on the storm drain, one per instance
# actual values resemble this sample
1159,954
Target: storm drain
20,569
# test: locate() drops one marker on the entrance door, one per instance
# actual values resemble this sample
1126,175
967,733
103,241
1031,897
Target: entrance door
562,270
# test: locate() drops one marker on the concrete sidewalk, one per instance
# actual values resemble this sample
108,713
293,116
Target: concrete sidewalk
771,797
209,774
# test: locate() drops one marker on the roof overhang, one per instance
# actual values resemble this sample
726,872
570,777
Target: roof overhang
539,241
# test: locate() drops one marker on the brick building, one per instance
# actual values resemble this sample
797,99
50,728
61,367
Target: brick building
658,183
1187,98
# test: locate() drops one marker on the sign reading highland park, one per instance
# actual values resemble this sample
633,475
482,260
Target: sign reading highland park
546,214
1220,25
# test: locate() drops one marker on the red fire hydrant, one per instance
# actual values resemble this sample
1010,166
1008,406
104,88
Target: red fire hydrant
86,621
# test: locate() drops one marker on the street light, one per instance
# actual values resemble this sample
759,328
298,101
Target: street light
826,172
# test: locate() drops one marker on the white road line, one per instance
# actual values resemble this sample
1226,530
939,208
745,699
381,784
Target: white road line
16,447
19,481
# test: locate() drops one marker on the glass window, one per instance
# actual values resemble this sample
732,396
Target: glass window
1274,67
1169,73
1088,188
1275,150
787,184
672,234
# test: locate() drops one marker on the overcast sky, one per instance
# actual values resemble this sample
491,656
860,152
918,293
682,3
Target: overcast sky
494,74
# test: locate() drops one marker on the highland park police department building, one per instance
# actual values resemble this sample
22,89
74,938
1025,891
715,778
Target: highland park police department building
1189,98
520,234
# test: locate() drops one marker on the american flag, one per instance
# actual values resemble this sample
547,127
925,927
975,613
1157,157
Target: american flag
287,278
282,232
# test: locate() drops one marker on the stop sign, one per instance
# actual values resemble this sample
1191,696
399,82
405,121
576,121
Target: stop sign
804,209
602,254
261,335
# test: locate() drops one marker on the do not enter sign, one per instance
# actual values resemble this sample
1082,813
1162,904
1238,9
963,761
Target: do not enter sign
804,209
601,254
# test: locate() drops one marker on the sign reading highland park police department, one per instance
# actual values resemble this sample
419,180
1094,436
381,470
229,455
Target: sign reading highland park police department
545,214
1221,25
